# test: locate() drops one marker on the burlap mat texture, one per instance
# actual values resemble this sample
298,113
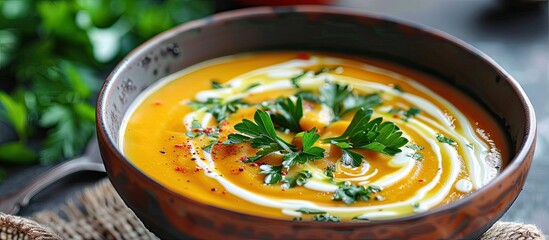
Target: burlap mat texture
99,213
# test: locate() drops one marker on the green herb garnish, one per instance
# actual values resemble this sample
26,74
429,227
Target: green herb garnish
441,138
299,180
416,156
288,114
412,112
219,109
342,100
308,151
406,115
329,172
310,211
350,193
216,85
274,173
398,88
262,135
414,146
373,135
326,217
253,85
296,78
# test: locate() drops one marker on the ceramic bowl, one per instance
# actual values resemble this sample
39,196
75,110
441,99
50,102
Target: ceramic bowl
171,215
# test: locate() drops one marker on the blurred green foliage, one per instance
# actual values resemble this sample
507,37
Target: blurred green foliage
53,56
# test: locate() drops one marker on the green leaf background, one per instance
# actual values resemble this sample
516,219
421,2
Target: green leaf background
53,57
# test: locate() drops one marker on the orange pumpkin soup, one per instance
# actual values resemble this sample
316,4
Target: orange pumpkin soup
312,136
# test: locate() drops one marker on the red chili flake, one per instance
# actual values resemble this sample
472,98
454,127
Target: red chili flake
283,173
224,192
243,159
178,145
303,56
220,130
157,103
241,169
254,164
178,169
395,116
214,189
421,180
197,169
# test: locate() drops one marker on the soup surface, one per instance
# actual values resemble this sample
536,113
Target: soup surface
312,136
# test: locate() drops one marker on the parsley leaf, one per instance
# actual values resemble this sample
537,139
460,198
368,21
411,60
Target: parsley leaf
329,172
412,112
260,134
350,158
296,78
416,156
308,152
414,146
333,95
326,217
355,102
288,114
398,88
219,109
274,173
441,138
216,84
342,100
406,115
310,211
299,180
373,135
350,193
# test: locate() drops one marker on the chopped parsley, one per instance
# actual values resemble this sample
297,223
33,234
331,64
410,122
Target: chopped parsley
310,211
274,173
412,112
326,217
416,156
299,180
296,78
218,108
441,138
251,86
325,70
414,146
350,193
398,88
329,172
406,115
216,85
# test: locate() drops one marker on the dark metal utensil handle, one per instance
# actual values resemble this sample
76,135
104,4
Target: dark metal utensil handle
12,203
90,161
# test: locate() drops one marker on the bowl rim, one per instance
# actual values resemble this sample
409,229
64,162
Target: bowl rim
520,156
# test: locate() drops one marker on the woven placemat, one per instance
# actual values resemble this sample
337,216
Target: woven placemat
99,213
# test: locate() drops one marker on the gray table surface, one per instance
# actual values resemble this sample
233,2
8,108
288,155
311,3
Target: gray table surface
516,38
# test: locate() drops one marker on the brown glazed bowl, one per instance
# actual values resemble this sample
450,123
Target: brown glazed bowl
170,215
